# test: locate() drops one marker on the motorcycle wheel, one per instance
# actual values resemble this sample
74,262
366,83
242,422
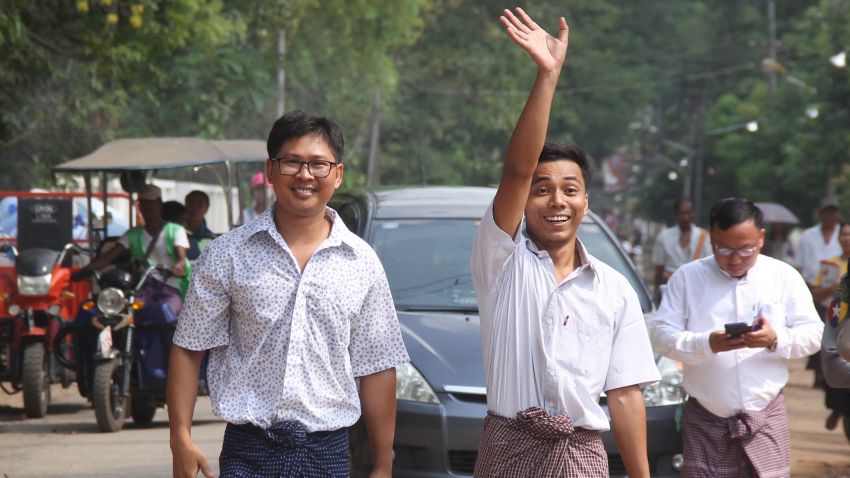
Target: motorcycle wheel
106,397
142,411
35,380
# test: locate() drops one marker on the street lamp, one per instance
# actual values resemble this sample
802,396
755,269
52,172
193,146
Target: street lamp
750,126
839,60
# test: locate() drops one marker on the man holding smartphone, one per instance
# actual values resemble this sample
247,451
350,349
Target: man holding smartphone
734,320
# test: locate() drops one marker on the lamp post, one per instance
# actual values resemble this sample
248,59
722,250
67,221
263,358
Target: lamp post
699,163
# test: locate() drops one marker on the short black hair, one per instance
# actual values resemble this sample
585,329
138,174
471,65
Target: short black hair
197,192
297,124
679,202
731,211
558,151
173,211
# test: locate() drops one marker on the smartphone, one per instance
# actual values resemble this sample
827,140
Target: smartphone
738,329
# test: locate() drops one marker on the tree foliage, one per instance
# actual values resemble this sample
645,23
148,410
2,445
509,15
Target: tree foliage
667,84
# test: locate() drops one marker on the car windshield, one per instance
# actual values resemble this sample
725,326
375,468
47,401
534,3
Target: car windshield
427,261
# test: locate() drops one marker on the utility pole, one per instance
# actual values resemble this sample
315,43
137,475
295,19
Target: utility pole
372,175
771,42
281,74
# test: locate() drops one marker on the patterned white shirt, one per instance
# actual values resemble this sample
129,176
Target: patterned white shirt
549,345
286,344
701,298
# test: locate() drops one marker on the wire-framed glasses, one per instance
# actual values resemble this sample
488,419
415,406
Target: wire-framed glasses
742,252
316,167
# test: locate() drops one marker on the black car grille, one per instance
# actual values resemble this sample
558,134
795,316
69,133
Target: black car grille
470,397
462,462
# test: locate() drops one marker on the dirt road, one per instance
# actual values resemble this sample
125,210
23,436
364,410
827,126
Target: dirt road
66,443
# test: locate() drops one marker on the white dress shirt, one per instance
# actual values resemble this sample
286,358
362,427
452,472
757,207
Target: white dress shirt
813,250
668,253
701,298
286,343
555,346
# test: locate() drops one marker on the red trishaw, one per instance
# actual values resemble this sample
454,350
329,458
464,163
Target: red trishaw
37,298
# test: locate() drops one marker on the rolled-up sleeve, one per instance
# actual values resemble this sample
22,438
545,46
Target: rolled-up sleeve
376,342
803,329
491,249
205,319
668,327
632,361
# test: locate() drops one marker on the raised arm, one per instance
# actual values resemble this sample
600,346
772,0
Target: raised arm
529,134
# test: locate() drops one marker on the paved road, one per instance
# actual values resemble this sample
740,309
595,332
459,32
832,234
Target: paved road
66,443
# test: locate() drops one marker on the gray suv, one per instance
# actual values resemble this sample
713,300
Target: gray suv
423,237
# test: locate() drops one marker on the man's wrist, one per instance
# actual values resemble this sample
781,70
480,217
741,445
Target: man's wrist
773,345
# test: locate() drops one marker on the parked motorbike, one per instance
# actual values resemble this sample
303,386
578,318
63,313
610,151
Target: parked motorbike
38,307
122,339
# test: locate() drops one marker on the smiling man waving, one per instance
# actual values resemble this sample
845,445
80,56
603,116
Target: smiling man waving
558,326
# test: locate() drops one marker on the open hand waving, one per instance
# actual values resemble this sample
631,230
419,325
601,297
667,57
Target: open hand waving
547,51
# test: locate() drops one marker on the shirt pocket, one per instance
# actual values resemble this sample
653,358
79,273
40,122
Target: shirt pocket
331,308
774,313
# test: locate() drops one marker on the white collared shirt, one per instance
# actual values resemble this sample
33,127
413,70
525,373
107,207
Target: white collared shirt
813,250
701,298
287,344
668,253
555,346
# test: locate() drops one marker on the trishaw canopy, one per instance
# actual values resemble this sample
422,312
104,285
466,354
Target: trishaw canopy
140,154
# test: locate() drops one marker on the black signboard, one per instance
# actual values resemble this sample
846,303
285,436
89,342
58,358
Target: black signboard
44,223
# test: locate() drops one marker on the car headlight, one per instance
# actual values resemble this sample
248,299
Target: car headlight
411,385
111,301
669,390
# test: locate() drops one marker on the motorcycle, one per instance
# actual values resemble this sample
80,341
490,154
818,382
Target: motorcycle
122,339
38,306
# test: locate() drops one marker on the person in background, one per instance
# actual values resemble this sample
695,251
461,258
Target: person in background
558,326
158,242
197,205
173,211
778,245
258,192
825,289
835,346
817,243
679,244
735,422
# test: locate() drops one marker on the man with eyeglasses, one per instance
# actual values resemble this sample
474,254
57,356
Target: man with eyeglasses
293,307
734,320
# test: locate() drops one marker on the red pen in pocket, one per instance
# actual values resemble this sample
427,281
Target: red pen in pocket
566,319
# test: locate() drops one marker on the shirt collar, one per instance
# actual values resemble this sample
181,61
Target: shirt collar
584,257
339,232
743,279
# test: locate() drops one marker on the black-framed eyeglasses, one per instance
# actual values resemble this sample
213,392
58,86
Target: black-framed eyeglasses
743,252
316,167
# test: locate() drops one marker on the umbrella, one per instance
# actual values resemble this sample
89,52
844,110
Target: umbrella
774,212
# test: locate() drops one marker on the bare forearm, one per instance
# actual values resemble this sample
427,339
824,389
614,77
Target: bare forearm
377,399
183,369
530,131
629,423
